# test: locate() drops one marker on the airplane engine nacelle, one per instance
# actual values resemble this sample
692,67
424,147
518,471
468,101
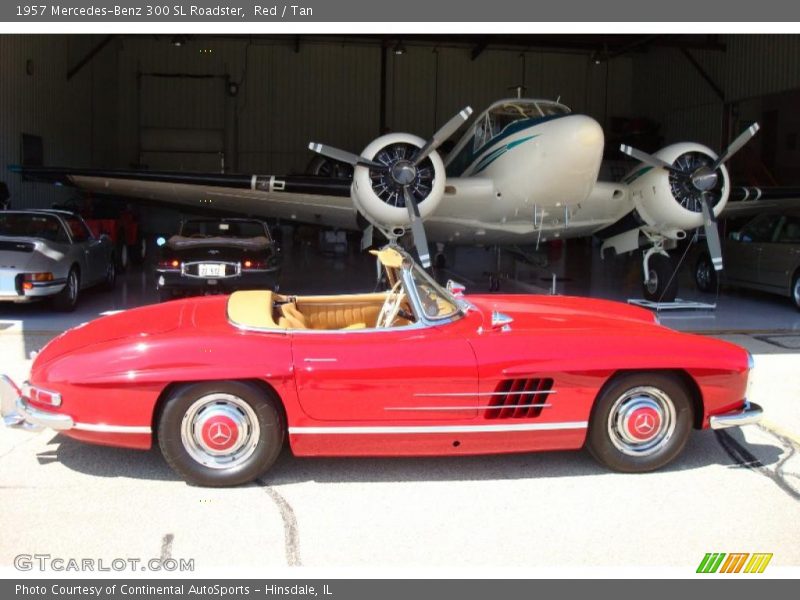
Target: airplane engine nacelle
670,202
378,194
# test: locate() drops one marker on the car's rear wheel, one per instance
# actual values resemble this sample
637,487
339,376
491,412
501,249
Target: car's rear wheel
220,433
640,422
67,299
796,290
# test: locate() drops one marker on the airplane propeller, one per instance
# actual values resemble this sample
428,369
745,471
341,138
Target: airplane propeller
699,179
403,173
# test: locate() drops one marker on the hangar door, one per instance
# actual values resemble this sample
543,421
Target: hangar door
182,122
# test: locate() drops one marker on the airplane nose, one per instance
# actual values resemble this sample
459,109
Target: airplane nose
588,132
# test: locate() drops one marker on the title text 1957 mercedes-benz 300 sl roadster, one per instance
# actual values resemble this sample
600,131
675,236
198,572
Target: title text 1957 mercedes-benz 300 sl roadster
219,382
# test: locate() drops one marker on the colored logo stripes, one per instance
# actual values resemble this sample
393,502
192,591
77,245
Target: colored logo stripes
736,562
498,152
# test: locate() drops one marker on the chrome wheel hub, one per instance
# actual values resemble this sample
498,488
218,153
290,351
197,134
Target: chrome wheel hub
220,431
641,421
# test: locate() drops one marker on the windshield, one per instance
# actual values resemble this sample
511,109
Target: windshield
227,229
437,303
500,116
46,227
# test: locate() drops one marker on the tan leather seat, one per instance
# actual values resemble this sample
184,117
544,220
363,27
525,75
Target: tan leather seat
294,318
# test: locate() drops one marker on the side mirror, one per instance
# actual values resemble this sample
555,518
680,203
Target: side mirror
736,236
105,237
455,288
161,241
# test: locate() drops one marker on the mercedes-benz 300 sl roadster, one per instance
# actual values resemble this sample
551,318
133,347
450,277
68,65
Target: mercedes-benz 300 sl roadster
221,382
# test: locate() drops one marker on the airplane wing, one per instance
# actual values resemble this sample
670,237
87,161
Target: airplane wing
303,198
750,201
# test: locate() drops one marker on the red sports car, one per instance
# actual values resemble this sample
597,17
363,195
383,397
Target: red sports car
219,382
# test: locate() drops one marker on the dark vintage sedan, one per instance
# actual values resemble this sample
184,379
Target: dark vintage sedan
217,256
764,254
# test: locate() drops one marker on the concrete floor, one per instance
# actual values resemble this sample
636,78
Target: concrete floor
729,492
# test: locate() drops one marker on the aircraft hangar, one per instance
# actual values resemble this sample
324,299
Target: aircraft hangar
698,221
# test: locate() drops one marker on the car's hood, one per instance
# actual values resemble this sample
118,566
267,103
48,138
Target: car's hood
137,322
560,312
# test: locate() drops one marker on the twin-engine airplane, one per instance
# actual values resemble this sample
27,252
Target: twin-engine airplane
524,172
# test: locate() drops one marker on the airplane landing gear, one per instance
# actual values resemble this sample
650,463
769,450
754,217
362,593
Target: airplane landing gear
660,275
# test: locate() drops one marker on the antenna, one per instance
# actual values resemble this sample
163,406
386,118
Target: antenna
519,88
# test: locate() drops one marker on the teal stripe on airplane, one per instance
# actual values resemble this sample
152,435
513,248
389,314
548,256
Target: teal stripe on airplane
497,153
634,176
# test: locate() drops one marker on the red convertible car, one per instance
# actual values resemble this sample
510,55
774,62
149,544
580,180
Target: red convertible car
220,382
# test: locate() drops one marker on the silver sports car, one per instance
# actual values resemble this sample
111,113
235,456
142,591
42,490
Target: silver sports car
51,253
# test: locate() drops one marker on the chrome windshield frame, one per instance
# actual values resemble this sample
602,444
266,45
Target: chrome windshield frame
407,276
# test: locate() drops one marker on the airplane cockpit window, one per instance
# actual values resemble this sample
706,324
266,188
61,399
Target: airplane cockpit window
550,109
500,116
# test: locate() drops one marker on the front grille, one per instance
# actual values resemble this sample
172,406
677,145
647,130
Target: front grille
17,246
519,398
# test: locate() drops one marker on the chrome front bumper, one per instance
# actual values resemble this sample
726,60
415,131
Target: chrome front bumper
749,414
18,413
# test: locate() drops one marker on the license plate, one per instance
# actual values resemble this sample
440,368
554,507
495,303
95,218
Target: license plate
211,270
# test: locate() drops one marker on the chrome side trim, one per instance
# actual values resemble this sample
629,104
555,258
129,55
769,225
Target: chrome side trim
438,428
749,414
448,394
320,360
406,408
102,428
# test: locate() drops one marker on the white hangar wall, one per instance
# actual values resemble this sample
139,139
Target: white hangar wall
75,117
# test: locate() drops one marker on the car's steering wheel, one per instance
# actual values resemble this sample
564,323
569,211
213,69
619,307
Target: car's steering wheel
391,306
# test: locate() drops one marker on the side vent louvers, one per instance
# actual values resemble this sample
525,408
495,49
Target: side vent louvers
519,398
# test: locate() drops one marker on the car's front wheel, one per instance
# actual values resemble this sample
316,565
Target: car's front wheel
640,422
796,290
220,433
